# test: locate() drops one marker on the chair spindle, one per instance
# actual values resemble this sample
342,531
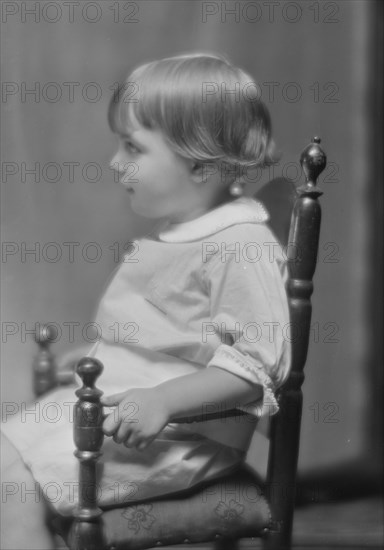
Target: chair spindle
87,529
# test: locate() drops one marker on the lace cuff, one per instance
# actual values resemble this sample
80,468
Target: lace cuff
230,359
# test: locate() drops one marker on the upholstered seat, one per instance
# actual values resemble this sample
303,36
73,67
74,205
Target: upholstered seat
230,507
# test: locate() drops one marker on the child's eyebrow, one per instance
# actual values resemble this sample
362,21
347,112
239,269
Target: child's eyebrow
128,135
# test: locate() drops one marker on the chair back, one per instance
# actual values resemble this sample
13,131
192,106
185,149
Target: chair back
278,196
295,221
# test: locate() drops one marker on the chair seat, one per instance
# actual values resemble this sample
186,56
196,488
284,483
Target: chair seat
233,506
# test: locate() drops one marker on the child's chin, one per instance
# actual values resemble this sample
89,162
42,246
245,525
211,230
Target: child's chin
145,213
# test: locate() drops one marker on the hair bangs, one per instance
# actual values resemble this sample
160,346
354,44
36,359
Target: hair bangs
206,109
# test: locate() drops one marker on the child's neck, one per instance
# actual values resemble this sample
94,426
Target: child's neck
216,201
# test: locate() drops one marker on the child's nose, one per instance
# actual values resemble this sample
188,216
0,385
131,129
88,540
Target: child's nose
116,164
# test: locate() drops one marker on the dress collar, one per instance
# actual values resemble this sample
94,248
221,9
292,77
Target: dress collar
240,210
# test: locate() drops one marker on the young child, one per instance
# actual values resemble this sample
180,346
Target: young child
193,319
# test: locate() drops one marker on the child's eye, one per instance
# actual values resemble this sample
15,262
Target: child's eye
131,147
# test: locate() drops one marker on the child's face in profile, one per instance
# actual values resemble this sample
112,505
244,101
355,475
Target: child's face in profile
158,179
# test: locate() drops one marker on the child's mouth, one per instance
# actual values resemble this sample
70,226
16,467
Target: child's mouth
128,189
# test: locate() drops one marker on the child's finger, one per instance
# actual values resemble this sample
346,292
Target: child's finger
112,400
124,433
111,424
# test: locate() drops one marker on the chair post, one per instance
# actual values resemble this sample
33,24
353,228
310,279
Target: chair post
87,529
44,365
302,250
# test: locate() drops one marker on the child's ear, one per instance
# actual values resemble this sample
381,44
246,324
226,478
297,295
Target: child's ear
202,171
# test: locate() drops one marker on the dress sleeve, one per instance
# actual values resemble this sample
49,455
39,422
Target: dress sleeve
249,312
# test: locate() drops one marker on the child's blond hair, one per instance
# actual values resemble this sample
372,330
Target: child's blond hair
207,109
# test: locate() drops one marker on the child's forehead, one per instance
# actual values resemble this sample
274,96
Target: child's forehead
131,130
129,127
124,120
127,133
140,134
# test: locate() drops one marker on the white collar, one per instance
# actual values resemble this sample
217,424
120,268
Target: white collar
240,210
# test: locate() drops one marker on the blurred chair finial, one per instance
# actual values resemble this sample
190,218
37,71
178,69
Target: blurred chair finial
313,161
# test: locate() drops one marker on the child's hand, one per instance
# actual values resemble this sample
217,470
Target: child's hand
139,416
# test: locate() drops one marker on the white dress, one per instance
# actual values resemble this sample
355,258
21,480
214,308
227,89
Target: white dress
208,292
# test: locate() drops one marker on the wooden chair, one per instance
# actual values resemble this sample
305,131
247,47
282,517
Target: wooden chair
206,512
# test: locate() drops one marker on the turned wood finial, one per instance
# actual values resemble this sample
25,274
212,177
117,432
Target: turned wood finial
313,161
44,365
89,369
88,435
44,335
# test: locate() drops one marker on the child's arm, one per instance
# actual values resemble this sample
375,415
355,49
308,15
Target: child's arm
141,413
188,395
